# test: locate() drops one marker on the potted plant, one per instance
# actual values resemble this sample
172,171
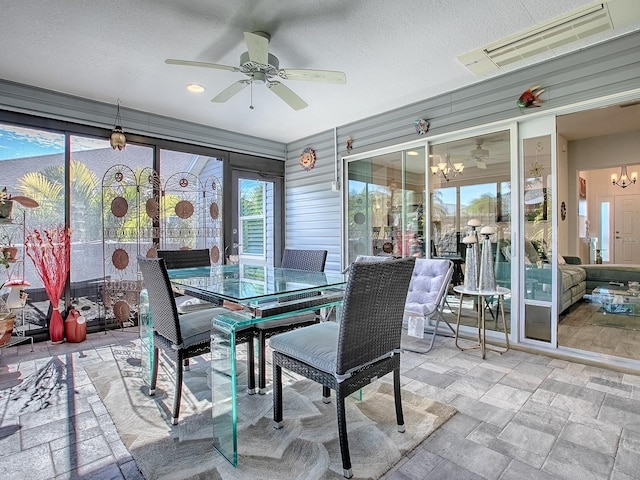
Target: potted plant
7,317
4,261
49,249
9,250
6,203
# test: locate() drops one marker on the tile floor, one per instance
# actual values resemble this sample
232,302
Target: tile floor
520,416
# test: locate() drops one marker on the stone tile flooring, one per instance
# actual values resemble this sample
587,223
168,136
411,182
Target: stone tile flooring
520,416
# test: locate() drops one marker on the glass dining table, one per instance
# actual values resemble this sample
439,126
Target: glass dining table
264,294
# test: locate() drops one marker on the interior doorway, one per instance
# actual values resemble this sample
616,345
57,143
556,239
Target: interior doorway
626,230
601,226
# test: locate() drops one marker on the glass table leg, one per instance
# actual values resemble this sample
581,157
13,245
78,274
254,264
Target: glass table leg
228,380
146,337
223,393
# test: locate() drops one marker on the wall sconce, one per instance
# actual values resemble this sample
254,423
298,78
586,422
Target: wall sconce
447,170
624,181
117,138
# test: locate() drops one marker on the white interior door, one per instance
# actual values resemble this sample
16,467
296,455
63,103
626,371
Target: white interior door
627,229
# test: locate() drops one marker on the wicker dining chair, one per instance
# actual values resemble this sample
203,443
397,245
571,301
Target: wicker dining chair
428,293
180,336
309,260
362,347
188,259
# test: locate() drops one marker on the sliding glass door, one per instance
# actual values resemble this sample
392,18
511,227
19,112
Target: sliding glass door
385,204
470,187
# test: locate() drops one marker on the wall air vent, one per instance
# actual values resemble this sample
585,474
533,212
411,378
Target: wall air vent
577,25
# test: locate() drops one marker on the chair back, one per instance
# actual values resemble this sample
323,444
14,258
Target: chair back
369,259
185,258
372,312
163,308
429,284
311,260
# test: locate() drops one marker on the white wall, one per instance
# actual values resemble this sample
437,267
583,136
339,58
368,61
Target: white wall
597,158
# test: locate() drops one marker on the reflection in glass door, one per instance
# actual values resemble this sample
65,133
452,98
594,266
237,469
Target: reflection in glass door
470,183
537,237
385,201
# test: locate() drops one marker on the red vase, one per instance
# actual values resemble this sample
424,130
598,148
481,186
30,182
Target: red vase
56,327
75,327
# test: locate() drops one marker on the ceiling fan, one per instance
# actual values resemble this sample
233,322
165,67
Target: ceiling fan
480,154
263,68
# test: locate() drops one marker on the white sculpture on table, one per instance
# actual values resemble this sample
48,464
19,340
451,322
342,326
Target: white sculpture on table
471,263
487,278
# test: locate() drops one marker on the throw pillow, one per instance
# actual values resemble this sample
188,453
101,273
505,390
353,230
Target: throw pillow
530,252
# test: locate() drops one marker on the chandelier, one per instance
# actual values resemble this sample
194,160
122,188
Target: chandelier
447,170
624,181
117,138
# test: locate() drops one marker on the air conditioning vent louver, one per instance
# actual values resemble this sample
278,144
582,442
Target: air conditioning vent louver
550,37
562,31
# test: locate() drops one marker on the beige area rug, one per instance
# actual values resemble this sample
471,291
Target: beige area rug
306,447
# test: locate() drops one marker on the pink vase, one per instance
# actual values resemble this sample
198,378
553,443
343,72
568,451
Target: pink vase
56,327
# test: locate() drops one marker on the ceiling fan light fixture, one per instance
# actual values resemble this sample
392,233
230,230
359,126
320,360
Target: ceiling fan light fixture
259,78
263,68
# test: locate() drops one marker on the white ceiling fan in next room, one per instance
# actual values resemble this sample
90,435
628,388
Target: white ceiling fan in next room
263,68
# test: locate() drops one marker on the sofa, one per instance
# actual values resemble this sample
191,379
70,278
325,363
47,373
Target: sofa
572,282
575,280
572,278
594,275
604,274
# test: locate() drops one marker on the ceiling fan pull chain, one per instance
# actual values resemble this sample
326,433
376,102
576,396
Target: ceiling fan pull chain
251,94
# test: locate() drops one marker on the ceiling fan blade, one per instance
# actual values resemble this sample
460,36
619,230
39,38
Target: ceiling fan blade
286,94
230,91
190,63
327,76
258,47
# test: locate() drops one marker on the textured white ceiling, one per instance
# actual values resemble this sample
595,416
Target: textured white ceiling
393,53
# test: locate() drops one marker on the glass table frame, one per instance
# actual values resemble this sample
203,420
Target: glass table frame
265,294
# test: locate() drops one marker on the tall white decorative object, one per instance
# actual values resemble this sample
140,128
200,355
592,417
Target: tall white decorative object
487,278
474,223
471,263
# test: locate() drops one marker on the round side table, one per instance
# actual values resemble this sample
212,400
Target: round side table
481,295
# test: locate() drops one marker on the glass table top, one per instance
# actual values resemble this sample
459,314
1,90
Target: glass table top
252,284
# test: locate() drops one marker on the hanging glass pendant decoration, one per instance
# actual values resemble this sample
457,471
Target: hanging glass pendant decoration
471,263
487,279
117,139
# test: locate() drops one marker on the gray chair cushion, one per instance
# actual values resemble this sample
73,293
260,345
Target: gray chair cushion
315,345
189,304
196,326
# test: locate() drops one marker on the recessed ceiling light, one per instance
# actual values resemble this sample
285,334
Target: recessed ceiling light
195,88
